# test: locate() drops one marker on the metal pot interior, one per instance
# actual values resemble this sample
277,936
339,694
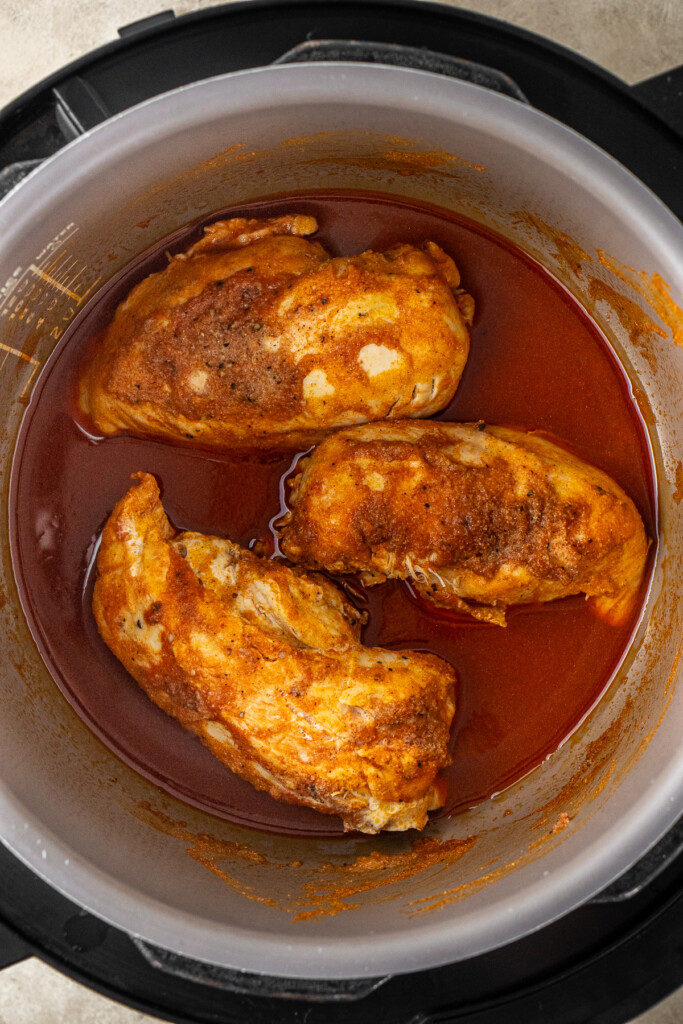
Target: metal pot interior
116,844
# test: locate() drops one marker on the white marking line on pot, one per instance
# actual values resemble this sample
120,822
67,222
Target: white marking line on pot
22,301
57,284
62,286
9,351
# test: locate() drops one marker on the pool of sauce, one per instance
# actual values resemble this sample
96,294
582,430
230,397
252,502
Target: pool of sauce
537,361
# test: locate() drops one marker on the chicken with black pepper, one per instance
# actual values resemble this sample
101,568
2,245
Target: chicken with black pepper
264,664
256,338
477,518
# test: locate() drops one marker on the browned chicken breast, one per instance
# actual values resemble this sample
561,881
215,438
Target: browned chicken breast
477,518
264,664
255,337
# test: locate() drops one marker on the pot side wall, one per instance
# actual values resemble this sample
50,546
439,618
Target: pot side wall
112,841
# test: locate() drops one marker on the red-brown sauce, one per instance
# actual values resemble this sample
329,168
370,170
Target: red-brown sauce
537,361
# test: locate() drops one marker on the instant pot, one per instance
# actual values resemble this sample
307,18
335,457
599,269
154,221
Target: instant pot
560,899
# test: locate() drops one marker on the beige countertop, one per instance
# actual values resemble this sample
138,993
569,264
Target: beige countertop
635,39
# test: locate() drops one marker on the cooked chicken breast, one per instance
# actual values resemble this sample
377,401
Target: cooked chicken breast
255,337
264,664
476,517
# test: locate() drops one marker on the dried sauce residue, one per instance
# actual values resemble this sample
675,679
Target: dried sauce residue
338,884
427,904
669,693
567,251
371,151
406,162
637,324
597,768
678,491
207,850
597,765
324,889
653,289
561,823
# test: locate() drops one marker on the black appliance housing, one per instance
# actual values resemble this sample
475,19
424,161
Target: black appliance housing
605,962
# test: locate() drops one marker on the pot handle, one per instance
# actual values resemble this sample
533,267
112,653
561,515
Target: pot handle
14,173
419,59
12,947
663,96
342,990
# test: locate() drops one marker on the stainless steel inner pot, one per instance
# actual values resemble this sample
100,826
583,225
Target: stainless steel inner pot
190,883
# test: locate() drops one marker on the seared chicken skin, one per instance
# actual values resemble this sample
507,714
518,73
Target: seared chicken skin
477,518
264,664
255,337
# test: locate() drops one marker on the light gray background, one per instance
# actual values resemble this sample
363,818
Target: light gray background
632,38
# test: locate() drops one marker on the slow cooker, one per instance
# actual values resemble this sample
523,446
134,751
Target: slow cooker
578,923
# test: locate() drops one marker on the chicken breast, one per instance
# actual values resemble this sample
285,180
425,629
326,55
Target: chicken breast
476,517
255,337
265,665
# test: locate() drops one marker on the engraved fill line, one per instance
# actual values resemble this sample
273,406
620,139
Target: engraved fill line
21,355
50,280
